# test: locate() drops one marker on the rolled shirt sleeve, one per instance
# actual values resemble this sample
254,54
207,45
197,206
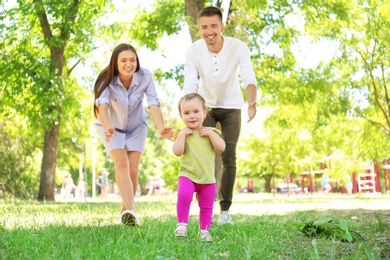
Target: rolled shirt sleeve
248,75
191,75
151,92
104,98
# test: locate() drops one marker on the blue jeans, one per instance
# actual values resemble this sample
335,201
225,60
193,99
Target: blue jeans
230,120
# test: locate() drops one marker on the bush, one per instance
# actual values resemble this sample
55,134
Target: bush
20,170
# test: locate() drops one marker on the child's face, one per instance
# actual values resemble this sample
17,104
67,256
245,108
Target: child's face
193,113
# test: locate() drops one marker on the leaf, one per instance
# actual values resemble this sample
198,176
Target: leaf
338,229
322,222
348,236
343,225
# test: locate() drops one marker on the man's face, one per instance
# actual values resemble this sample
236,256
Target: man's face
211,28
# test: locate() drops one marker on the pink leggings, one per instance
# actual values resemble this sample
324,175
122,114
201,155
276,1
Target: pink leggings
206,195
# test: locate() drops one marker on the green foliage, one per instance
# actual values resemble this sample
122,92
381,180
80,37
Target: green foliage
338,107
18,158
148,25
176,74
338,229
43,43
382,226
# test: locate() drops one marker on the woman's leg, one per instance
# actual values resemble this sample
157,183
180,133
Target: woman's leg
185,192
123,180
206,195
134,159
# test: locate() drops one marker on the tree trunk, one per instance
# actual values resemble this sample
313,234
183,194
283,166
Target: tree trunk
268,179
50,146
192,9
49,161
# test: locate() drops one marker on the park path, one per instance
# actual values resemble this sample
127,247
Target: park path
269,204
261,204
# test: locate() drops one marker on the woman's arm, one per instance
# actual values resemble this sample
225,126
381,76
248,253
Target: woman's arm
103,117
157,117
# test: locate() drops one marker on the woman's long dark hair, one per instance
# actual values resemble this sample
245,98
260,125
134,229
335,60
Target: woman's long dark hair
106,76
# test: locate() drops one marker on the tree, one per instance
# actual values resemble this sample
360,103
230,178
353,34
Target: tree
17,155
360,29
41,41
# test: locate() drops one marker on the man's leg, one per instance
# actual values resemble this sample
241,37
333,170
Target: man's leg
210,121
230,120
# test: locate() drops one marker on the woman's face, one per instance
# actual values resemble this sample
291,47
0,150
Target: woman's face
127,63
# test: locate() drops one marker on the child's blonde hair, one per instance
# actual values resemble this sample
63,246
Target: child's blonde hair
191,96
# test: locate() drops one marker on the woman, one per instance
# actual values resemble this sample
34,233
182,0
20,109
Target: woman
122,121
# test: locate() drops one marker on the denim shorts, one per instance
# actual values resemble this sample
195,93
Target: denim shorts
133,140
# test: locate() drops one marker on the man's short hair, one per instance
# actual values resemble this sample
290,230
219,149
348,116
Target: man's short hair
210,11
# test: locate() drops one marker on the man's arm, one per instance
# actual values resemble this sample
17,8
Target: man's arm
251,95
191,74
249,77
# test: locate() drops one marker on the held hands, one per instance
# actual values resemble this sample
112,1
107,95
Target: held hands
251,111
167,133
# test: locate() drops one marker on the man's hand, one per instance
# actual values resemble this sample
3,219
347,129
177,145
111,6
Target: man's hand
251,111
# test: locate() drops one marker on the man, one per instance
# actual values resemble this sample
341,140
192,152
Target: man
211,69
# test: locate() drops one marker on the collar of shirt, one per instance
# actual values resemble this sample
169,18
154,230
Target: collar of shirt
134,81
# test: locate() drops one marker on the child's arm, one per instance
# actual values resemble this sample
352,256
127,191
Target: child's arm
216,140
179,145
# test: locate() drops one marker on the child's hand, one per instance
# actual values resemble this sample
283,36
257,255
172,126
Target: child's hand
205,131
186,131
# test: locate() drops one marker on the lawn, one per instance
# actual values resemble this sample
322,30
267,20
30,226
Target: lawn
265,228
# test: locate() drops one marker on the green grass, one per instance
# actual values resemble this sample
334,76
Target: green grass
32,230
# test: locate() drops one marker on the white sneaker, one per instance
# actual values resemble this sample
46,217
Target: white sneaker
129,217
225,218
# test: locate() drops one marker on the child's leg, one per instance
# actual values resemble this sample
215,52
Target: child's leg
206,195
185,192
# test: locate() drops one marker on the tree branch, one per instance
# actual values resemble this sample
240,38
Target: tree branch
377,101
39,8
74,66
382,127
385,87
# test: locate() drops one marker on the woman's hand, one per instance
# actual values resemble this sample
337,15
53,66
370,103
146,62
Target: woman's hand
109,133
167,133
